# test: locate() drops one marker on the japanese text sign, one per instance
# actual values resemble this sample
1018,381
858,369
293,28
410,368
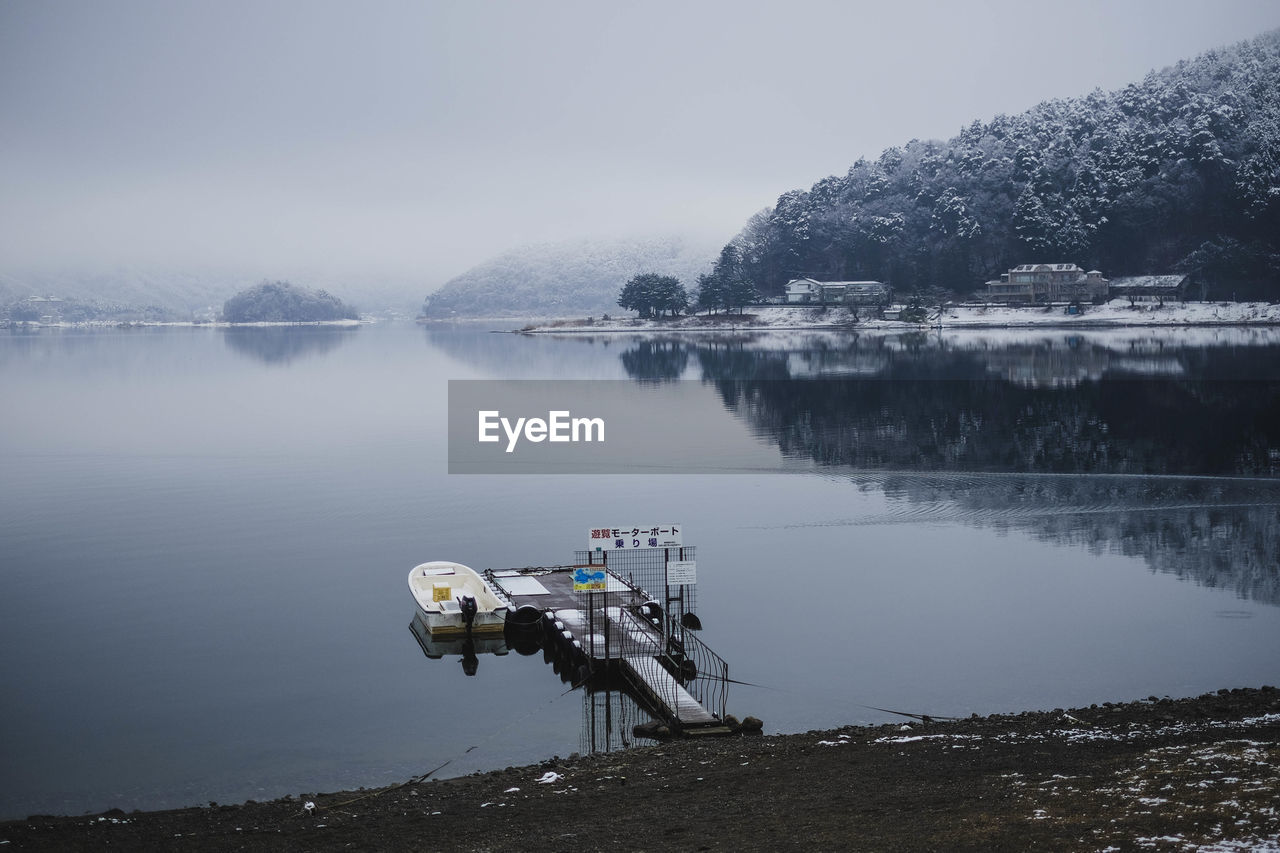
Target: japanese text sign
628,537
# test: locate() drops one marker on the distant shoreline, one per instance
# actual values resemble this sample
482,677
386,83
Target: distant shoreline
1116,314
138,324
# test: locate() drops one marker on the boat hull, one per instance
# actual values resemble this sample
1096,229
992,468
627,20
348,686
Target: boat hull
440,587
445,625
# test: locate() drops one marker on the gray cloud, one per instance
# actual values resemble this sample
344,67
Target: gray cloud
422,138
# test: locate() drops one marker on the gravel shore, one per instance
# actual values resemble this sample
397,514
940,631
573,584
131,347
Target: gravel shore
1158,774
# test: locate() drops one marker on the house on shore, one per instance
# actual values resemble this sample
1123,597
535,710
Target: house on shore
808,291
1047,283
1150,288
44,309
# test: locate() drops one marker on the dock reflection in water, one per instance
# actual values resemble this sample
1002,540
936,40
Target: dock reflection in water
611,715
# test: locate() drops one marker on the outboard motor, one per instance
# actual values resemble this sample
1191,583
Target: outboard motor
467,603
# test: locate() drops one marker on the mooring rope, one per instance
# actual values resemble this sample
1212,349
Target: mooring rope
924,718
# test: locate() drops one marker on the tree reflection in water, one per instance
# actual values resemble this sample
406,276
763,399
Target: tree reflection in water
285,344
1173,450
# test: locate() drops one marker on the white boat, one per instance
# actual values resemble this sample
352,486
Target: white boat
455,599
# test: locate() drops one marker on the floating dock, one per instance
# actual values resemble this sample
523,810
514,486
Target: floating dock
620,632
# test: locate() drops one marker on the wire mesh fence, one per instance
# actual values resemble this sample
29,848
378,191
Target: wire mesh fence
646,570
645,621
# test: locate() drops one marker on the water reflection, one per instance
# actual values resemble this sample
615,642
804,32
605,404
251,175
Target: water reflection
655,360
466,648
279,345
610,715
1064,404
1024,360
1115,426
1156,429
611,709
1216,532
964,429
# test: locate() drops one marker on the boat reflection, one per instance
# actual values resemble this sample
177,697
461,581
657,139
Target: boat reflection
467,648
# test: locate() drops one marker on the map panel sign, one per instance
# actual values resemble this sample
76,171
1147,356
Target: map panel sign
589,579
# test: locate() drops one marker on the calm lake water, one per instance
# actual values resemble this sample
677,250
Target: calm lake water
205,533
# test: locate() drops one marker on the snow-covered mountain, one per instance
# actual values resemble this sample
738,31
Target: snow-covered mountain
1179,172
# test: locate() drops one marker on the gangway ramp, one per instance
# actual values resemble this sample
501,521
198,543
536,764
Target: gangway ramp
652,678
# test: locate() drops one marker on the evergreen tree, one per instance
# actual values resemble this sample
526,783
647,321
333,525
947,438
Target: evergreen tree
710,293
728,286
652,295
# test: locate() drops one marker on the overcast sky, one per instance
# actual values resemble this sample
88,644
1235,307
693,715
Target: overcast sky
421,138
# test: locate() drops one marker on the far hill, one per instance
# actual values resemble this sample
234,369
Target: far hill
559,279
196,291
279,301
1177,173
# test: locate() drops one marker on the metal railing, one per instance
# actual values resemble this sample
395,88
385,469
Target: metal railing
696,672
702,672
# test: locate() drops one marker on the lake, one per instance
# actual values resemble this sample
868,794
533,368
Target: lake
205,533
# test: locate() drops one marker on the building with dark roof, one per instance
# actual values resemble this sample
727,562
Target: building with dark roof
807,291
1151,288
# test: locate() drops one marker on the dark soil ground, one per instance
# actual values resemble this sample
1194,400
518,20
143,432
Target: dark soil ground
1164,774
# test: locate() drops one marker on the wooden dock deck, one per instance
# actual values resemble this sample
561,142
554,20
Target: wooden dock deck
611,631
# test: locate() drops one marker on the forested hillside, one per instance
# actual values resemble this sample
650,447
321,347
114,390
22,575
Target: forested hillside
565,278
1180,172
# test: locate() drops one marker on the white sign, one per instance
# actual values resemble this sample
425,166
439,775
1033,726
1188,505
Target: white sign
628,537
681,572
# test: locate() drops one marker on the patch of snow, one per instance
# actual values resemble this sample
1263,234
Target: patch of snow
1117,313
926,737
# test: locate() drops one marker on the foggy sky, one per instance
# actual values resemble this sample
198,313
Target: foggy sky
422,138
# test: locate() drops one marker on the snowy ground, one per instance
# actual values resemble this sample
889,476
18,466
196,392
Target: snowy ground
1116,313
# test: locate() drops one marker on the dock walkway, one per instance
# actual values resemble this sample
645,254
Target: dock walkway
610,631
